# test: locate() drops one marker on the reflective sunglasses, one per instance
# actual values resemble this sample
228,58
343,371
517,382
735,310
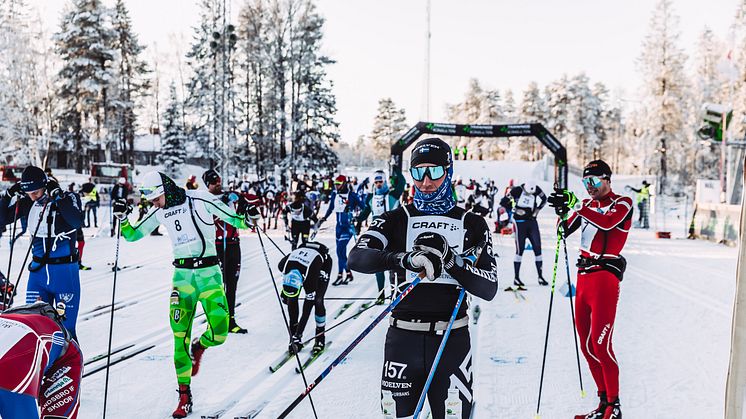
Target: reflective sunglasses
594,181
433,172
147,191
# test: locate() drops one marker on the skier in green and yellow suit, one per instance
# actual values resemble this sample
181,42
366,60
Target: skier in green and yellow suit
188,217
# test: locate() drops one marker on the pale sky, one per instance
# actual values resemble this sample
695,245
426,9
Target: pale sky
379,45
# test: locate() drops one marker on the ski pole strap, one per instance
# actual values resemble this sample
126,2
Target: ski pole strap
196,263
350,347
441,348
430,327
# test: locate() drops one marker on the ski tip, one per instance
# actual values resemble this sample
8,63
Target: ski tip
583,394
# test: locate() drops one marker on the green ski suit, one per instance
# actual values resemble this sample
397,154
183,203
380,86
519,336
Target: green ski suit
192,232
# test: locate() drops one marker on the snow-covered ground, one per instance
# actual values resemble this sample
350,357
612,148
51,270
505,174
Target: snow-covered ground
672,335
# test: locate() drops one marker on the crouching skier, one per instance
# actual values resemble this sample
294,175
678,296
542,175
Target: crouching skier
454,248
308,267
41,364
188,217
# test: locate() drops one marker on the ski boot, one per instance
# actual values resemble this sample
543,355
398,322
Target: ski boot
518,285
185,402
543,282
320,343
82,267
296,344
197,351
339,280
349,277
380,300
613,410
234,328
597,413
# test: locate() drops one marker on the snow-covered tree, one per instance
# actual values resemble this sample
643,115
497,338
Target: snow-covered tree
708,86
585,111
530,110
84,45
557,99
389,124
25,97
173,151
211,97
131,83
665,92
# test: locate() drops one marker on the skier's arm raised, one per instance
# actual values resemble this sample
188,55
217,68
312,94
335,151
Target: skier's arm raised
399,184
216,207
70,207
143,228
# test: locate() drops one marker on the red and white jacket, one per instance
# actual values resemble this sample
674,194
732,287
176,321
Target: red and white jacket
604,225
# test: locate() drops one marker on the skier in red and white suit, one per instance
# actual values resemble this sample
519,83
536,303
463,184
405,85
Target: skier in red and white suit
41,365
604,221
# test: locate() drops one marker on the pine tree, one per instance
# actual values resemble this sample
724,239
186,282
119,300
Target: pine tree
388,125
131,83
708,86
557,99
665,91
173,144
532,110
25,100
84,44
585,111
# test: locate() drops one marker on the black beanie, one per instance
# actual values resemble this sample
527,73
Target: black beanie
32,179
431,150
597,168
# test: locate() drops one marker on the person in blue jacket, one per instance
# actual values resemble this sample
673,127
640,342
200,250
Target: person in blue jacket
54,217
343,202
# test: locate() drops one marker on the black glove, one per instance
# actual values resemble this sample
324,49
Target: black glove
561,201
14,190
53,189
422,261
120,208
358,226
437,244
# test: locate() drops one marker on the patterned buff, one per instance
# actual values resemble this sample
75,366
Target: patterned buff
439,202
383,189
174,194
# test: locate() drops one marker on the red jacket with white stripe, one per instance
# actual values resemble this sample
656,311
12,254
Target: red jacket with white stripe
29,345
604,225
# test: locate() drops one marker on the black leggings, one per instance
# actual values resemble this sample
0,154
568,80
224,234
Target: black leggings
230,265
408,357
299,229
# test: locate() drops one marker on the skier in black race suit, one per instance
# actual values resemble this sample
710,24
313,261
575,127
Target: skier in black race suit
454,249
307,267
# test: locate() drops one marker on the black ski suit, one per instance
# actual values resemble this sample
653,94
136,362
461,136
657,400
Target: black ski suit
314,264
418,322
525,225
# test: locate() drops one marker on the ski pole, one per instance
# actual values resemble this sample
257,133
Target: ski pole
549,320
31,242
111,316
441,348
270,239
284,317
563,229
350,347
6,298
